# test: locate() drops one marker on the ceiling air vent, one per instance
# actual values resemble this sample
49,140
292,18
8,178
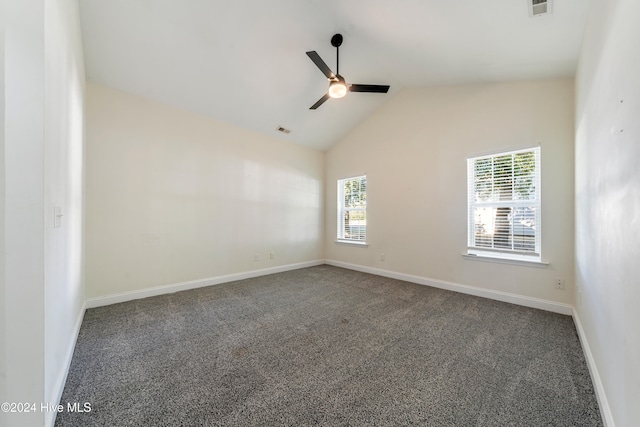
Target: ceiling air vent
539,7
283,130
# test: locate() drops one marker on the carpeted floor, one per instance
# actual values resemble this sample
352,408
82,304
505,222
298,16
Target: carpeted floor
327,346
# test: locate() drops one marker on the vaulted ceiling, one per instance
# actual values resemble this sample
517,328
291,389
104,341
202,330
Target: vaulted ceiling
244,62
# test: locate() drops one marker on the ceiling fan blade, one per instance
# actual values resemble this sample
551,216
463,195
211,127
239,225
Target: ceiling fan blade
369,88
321,64
320,101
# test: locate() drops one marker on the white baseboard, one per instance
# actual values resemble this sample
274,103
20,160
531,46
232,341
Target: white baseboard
605,409
50,416
538,303
183,286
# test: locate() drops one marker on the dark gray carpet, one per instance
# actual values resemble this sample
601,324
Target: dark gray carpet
327,346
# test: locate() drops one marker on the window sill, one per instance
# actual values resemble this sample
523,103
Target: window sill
522,262
352,243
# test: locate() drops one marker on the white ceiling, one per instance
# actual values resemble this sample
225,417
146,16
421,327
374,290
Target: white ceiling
244,62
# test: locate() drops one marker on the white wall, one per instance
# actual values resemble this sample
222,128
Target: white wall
608,202
174,197
42,167
63,178
414,152
24,206
3,343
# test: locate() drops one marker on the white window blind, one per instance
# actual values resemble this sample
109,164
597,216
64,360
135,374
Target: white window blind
504,205
352,209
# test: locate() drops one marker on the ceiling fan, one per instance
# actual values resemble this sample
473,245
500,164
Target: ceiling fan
338,87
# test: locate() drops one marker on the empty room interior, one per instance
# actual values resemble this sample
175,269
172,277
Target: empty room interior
320,213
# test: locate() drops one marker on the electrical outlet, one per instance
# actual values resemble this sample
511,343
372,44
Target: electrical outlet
256,257
272,255
578,295
381,257
559,284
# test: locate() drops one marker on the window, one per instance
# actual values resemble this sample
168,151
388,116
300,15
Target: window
352,209
504,205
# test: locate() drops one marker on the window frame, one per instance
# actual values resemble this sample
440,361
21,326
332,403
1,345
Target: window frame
535,204
342,210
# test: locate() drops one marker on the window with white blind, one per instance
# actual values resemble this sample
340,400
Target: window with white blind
504,205
352,209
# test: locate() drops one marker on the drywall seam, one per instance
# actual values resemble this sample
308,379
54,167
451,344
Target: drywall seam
183,286
603,402
538,303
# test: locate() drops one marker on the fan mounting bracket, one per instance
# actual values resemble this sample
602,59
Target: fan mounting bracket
336,40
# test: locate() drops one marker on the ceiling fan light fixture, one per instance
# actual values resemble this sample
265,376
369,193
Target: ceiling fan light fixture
337,85
337,89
